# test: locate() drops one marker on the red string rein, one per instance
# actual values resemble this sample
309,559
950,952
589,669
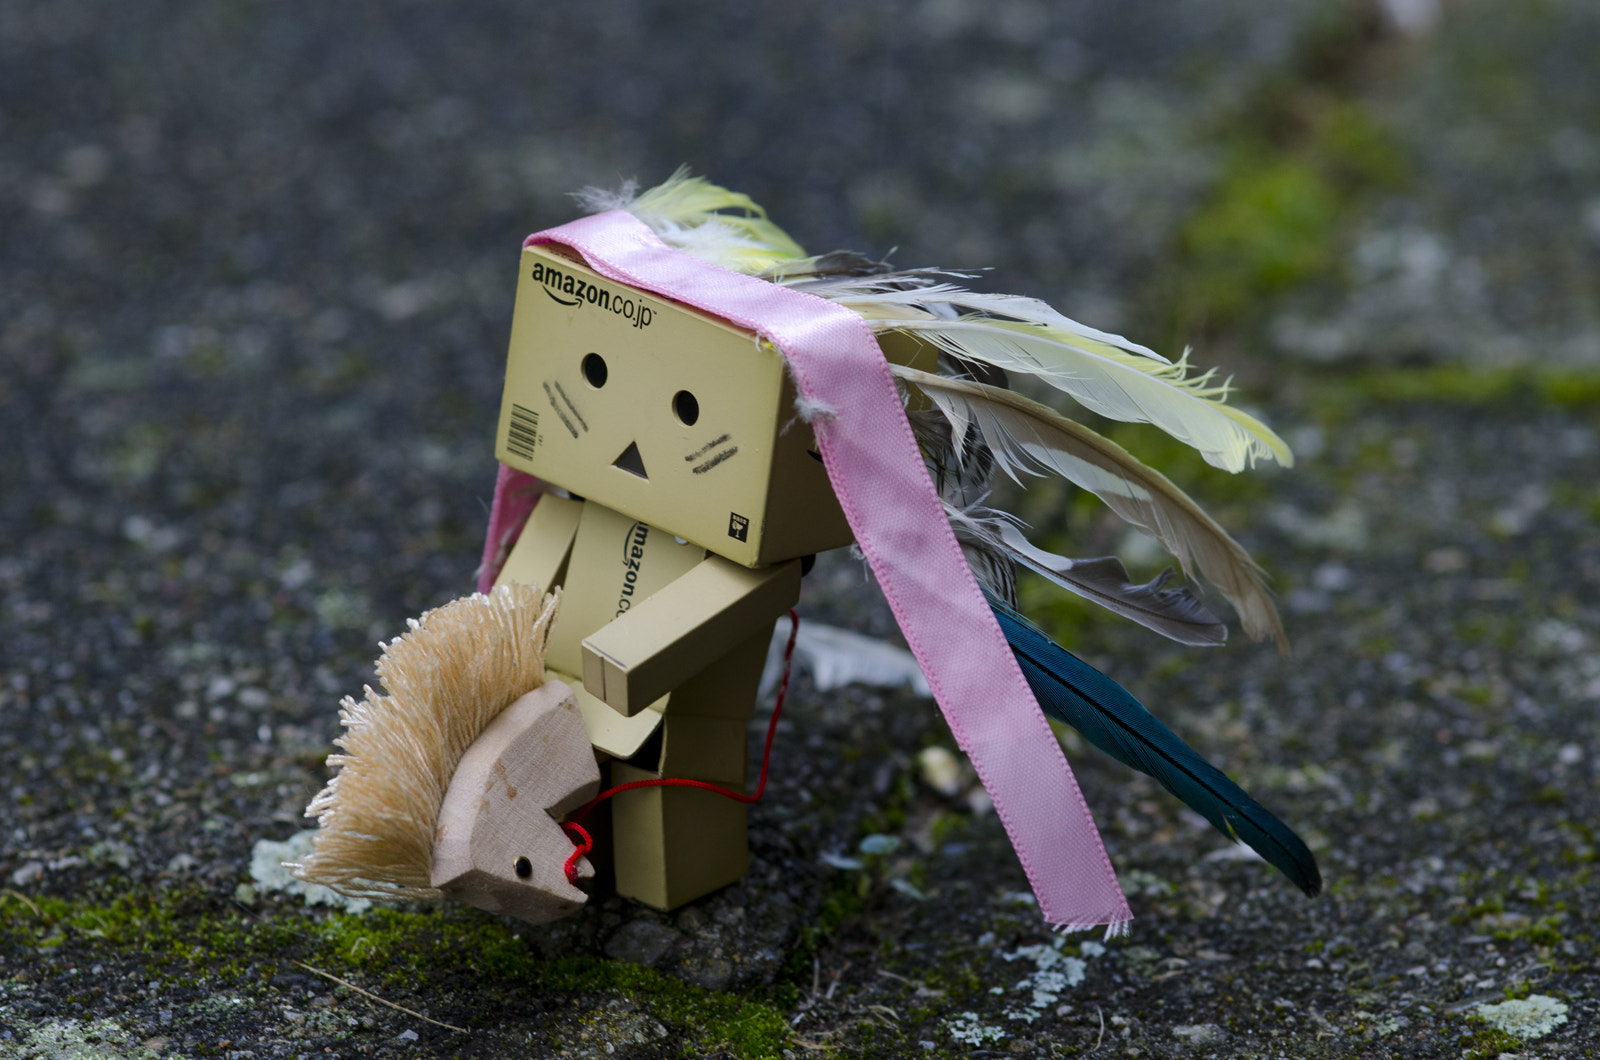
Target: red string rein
580,835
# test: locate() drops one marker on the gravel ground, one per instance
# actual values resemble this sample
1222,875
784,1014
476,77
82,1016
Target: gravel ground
257,267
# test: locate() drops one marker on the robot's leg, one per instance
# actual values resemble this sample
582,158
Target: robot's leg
674,844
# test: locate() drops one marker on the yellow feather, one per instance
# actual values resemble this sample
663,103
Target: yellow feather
724,227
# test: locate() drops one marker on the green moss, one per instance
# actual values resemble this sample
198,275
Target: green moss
1489,1043
97,763
947,828
1585,849
1276,217
185,935
1376,645
1342,394
1354,151
1549,795
1489,905
1545,931
958,979
1269,226
843,902
402,946
712,1020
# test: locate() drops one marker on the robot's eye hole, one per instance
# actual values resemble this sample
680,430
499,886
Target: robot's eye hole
685,407
594,370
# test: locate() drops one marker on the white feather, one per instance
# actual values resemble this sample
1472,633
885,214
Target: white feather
1114,383
947,301
1032,438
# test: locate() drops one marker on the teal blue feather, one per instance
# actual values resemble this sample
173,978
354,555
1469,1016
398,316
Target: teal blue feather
1072,691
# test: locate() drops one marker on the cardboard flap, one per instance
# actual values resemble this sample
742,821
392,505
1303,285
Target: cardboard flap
609,731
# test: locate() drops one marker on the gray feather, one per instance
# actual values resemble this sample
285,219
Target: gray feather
1174,612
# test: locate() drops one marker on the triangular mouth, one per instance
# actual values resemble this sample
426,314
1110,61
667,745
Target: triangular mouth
631,462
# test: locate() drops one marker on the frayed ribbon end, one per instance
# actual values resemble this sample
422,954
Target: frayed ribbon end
1114,928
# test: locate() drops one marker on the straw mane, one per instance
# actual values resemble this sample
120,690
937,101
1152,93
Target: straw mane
458,667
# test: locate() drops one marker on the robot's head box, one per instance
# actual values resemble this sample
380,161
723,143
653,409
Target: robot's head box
663,413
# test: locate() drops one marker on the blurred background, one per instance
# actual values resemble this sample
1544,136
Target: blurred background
298,225
256,276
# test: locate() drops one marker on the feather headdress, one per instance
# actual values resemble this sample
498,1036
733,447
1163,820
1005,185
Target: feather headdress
978,423
975,423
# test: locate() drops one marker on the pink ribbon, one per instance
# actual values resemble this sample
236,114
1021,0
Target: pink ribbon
515,494
899,523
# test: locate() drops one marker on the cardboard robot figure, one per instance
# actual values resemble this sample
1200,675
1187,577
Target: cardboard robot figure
678,498
689,493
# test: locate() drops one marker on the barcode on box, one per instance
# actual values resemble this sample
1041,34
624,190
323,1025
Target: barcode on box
523,434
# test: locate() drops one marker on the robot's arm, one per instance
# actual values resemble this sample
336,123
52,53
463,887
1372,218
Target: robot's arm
653,648
540,557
